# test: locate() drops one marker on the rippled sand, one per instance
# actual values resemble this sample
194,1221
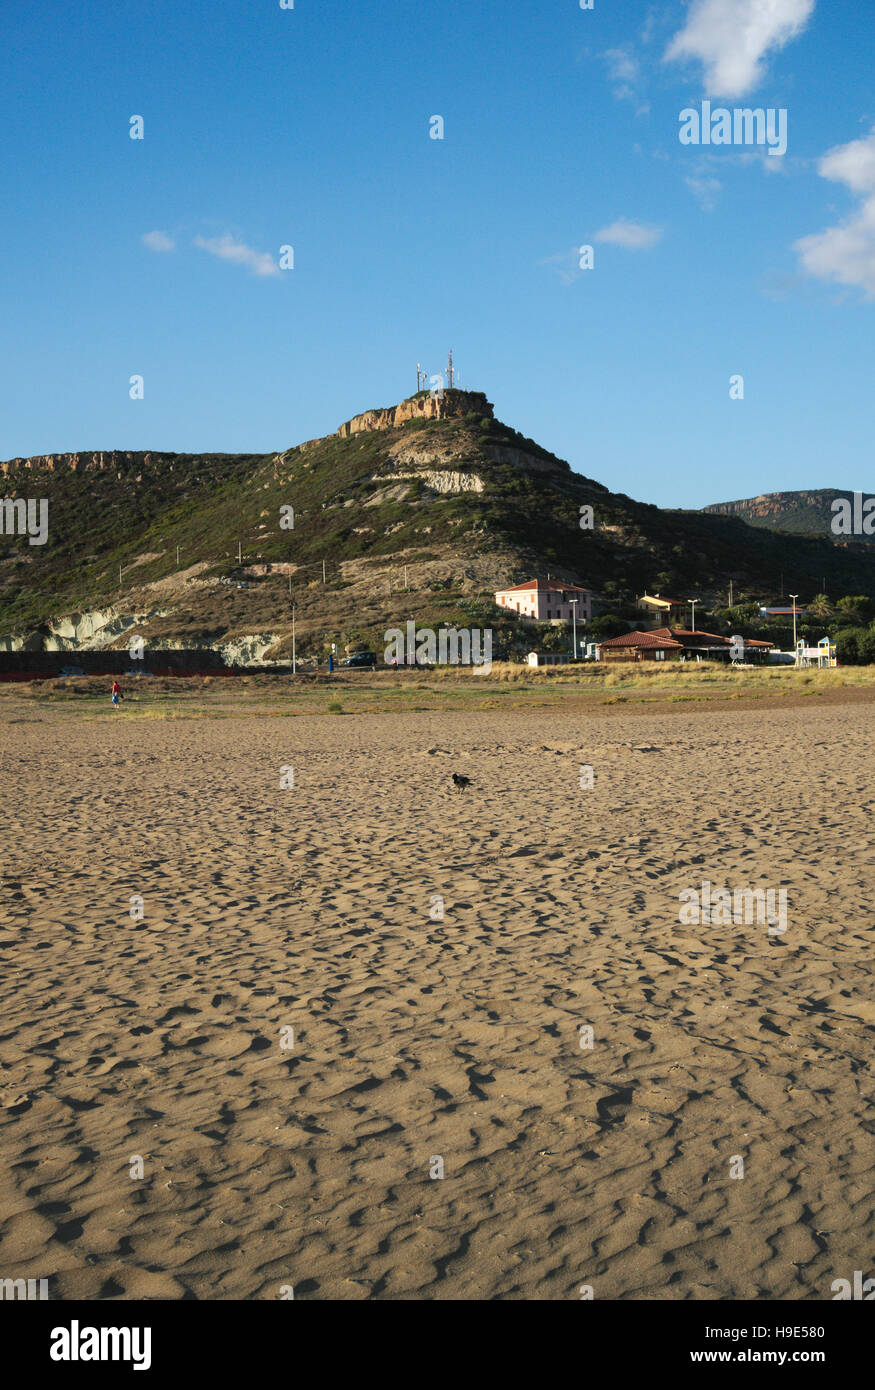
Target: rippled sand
308,908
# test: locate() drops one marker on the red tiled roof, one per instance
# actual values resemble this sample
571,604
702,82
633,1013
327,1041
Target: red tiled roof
688,638
642,639
542,584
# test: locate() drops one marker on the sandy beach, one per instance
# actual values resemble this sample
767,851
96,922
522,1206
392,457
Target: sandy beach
302,1158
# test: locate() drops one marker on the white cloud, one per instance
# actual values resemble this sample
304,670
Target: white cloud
732,38
853,164
622,65
846,254
706,190
624,71
158,241
635,236
227,249
566,264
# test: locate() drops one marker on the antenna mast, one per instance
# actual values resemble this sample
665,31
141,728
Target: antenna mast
450,369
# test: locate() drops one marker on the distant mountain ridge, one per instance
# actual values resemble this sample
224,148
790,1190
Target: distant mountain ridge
805,513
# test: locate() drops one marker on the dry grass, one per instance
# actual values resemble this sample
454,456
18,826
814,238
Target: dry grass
457,687
649,675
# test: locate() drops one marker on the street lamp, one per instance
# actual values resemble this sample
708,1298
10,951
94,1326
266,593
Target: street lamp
794,598
692,602
574,603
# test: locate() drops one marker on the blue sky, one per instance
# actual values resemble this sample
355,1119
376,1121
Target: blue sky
309,128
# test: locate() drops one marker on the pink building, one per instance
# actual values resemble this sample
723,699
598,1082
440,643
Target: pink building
546,601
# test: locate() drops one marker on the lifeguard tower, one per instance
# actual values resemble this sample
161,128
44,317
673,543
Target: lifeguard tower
824,654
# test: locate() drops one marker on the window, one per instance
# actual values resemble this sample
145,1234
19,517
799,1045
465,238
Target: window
659,656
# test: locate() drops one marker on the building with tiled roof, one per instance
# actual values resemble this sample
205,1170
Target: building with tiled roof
641,646
546,601
712,646
660,607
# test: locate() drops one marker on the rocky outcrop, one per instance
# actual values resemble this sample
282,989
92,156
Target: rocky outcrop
422,407
113,461
521,459
446,480
806,512
93,630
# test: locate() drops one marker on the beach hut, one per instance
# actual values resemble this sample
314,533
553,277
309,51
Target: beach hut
641,646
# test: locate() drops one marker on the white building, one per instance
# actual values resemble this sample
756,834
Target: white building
548,658
546,601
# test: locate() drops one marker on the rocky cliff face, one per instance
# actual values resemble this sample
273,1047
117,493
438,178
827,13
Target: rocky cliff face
770,504
422,407
114,461
806,512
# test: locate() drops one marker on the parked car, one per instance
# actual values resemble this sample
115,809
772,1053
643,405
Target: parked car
366,659
72,671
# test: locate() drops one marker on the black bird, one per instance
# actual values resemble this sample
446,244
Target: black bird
460,781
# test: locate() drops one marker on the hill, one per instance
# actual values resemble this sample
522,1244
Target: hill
802,513
437,496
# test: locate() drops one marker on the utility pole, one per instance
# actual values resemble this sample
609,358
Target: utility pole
323,572
119,576
692,602
573,603
418,377
794,598
177,557
405,577
730,593
239,552
294,658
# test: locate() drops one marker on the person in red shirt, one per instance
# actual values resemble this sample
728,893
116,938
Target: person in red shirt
116,693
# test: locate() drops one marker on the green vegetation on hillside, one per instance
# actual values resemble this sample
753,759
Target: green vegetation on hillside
352,509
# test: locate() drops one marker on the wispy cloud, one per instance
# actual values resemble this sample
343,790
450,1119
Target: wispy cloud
158,241
624,72
706,190
634,236
732,38
566,264
227,248
846,253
